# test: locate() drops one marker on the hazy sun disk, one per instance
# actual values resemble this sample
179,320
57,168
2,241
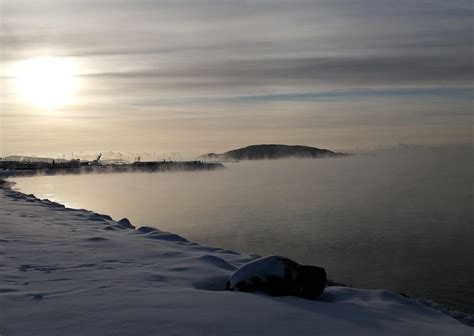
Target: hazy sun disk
48,82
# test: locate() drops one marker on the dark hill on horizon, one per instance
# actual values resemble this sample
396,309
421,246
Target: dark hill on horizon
272,152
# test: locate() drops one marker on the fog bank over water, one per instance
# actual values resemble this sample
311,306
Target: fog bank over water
400,219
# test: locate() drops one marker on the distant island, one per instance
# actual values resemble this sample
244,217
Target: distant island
272,152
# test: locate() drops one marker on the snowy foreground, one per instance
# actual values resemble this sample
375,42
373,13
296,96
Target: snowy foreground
74,272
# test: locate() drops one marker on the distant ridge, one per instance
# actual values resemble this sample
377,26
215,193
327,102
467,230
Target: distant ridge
272,152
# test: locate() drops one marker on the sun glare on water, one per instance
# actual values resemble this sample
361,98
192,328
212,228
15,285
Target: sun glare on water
48,82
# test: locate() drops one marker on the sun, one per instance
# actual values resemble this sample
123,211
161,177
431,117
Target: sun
47,82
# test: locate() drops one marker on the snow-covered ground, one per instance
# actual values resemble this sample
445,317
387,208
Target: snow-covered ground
75,272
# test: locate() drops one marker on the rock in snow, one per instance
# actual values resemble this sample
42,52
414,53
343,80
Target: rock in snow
65,272
279,276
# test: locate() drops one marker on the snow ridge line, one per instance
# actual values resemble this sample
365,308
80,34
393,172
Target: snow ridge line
122,224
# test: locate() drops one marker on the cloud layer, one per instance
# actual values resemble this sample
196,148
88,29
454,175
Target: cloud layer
201,60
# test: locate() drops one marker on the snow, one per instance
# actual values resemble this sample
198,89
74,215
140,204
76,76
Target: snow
75,272
261,268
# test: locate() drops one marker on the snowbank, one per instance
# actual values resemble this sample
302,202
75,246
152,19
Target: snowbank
75,272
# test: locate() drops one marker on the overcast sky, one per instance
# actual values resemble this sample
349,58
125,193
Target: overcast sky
200,76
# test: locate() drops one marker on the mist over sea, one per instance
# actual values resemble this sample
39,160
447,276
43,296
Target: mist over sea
401,219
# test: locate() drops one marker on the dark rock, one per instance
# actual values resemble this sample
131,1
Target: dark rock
279,276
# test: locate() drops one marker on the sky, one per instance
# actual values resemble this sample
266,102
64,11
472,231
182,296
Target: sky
192,77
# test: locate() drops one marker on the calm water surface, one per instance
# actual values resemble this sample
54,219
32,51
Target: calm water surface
401,219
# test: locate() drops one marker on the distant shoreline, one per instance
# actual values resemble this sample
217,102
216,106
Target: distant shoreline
32,169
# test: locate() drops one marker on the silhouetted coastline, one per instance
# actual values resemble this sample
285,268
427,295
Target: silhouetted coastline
26,168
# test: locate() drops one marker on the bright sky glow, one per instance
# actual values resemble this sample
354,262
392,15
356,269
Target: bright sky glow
46,83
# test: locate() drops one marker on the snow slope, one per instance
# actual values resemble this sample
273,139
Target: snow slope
75,272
